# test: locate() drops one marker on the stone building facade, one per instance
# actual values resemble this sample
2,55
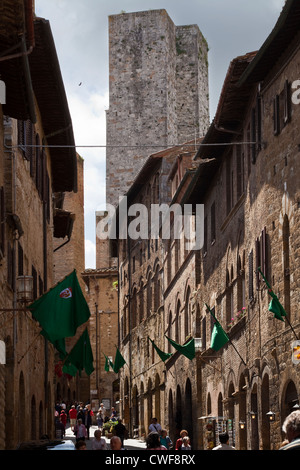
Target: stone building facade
158,92
251,221
30,174
249,190
155,300
69,255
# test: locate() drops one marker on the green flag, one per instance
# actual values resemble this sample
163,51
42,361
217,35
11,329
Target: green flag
164,356
188,349
274,305
107,363
119,361
218,336
61,310
80,357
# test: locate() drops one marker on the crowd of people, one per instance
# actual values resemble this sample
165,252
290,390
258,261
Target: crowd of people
80,418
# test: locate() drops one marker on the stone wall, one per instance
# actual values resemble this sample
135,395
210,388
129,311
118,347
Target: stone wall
158,91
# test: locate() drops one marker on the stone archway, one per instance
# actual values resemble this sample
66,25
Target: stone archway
254,419
265,408
33,416
157,399
178,412
135,408
22,421
172,430
188,412
289,399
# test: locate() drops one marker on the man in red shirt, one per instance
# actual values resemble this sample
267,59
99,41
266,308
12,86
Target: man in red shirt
72,416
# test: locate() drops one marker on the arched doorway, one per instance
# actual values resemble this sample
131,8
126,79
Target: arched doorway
290,399
22,421
142,411
231,414
265,407
242,441
135,408
171,416
254,419
149,405
178,412
157,398
33,416
126,408
188,422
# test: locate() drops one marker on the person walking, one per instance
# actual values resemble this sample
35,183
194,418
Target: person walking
80,431
165,439
224,442
72,417
115,443
155,426
63,419
186,443
98,443
120,430
291,427
153,442
101,415
87,420
179,441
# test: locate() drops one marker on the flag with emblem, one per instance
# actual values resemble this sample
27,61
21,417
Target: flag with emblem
61,310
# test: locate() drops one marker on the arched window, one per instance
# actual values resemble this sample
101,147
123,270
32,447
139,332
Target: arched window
156,290
187,313
134,308
149,295
177,322
169,330
141,302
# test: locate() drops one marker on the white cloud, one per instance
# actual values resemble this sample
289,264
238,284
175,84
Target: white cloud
90,254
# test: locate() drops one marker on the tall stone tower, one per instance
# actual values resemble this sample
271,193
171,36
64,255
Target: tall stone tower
158,92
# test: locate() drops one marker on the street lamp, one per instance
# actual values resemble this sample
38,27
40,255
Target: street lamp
25,289
24,294
271,416
242,424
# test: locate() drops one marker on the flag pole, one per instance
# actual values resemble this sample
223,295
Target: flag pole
289,323
237,352
229,340
285,316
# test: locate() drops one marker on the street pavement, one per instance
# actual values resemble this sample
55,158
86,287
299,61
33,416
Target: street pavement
129,444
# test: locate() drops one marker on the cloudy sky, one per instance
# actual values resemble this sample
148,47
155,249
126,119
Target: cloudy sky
80,30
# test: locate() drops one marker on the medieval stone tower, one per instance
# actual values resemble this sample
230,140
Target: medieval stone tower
158,92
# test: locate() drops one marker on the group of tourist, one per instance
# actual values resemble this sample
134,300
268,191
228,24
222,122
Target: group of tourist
80,418
158,438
